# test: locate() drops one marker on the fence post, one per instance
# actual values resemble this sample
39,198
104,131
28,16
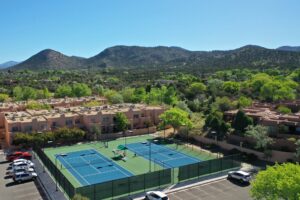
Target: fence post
144,182
198,173
95,192
112,189
159,177
221,164
129,191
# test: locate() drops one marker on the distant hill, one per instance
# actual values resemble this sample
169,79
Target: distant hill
249,56
135,56
50,59
8,64
289,48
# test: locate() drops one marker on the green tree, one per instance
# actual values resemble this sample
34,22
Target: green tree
284,110
155,96
113,96
3,97
260,135
244,102
258,80
297,153
92,104
18,93
196,89
176,118
63,91
96,131
81,90
28,93
215,86
68,134
99,89
121,122
277,182
231,87
43,94
223,104
34,105
240,122
183,106
278,90
170,96
79,197
128,95
215,122
139,95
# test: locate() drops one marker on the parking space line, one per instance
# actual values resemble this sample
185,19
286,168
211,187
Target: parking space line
28,196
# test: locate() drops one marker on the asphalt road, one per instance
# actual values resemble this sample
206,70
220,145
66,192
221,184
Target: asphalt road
219,190
12,191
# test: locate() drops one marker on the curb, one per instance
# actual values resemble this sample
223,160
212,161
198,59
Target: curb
205,182
196,184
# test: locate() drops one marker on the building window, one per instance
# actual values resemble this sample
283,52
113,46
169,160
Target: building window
77,121
28,128
142,115
54,124
136,116
14,129
69,122
43,127
105,119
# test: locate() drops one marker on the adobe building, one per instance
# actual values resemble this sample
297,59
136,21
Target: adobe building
266,114
102,117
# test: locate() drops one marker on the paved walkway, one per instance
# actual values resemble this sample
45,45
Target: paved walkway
46,183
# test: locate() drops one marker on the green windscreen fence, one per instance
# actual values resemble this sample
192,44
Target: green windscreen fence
56,173
207,167
119,187
139,183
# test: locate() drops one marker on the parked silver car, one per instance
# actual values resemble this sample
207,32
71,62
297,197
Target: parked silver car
24,176
240,175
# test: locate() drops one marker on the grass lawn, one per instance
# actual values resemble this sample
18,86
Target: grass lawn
134,164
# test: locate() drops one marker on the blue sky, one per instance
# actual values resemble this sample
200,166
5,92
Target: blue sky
86,27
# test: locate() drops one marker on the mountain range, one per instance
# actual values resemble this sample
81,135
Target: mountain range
289,48
249,56
8,64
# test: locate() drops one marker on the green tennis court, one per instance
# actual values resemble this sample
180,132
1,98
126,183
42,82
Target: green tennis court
132,163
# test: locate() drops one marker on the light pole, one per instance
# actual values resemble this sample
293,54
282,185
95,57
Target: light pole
150,156
216,139
56,187
164,131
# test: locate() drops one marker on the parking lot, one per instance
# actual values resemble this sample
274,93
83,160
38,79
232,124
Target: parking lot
222,189
12,191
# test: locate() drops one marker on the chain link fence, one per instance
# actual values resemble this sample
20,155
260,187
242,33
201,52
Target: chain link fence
141,183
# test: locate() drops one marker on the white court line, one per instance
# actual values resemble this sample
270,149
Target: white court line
105,161
75,172
117,169
162,154
100,173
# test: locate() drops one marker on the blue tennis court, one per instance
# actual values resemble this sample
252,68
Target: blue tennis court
162,155
90,167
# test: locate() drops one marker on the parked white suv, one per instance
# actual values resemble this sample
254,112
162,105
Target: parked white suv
19,169
17,160
20,163
240,175
156,195
24,176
